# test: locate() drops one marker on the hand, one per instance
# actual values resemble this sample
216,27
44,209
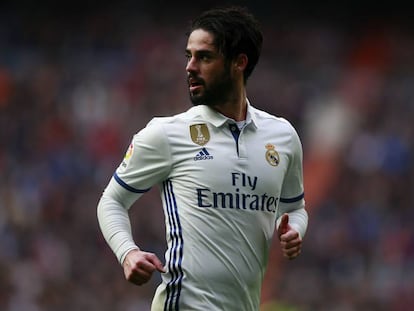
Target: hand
139,266
289,239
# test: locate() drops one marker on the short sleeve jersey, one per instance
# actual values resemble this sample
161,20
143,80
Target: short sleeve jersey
222,189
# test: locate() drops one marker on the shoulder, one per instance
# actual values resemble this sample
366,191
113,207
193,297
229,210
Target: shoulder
178,119
277,127
166,130
266,120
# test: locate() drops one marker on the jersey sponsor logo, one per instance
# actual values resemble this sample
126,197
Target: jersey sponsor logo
272,156
243,196
203,155
199,134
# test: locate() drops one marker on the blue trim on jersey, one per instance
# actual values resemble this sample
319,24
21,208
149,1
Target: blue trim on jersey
176,251
128,187
292,200
236,133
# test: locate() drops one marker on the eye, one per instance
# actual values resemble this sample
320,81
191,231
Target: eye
206,57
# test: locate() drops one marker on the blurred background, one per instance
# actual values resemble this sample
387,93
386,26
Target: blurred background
77,80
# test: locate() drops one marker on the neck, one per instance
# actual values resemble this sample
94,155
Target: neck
235,108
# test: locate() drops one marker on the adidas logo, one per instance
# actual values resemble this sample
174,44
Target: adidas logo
203,155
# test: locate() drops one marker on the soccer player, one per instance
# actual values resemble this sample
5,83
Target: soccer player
228,173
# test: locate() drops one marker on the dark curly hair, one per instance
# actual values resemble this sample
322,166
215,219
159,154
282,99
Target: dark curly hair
235,30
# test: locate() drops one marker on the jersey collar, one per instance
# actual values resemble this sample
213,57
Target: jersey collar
217,119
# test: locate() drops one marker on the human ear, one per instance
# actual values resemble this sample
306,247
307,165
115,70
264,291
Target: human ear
241,62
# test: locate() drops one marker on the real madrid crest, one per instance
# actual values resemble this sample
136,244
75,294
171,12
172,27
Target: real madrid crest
272,156
200,134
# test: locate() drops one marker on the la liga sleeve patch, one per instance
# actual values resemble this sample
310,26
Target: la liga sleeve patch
129,152
127,158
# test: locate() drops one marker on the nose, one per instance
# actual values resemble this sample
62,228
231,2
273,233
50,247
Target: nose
191,65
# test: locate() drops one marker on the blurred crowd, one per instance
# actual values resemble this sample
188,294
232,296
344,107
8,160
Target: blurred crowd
75,88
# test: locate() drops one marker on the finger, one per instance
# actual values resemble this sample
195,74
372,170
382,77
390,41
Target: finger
139,279
286,238
284,224
137,276
292,255
293,250
161,269
157,263
291,243
289,236
145,266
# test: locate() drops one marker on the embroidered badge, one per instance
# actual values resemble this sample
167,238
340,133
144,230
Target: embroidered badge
200,134
129,152
272,156
127,156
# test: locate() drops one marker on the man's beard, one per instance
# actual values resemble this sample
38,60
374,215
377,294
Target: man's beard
215,94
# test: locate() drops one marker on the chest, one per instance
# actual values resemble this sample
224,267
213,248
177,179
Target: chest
243,162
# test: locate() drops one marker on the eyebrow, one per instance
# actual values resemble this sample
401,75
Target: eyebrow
202,52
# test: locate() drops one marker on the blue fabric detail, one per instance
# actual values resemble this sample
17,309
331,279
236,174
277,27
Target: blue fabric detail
128,187
173,287
292,200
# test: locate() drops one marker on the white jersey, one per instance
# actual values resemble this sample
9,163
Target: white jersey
222,191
